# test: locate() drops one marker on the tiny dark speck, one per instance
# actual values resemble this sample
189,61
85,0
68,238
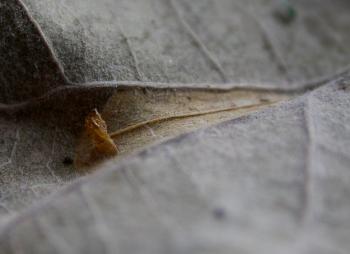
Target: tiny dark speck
285,12
67,161
219,213
264,100
344,87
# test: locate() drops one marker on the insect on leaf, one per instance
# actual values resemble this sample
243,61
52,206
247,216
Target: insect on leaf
95,144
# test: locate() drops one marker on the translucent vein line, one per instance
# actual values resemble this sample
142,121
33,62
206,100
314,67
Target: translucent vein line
53,56
58,243
150,202
132,52
186,115
101,225
309,127
13,151
48,163
198,41
281,63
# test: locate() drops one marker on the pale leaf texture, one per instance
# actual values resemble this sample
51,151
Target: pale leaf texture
272,181
276,181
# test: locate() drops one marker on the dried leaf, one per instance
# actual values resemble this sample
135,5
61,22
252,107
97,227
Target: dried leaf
138,117
142,117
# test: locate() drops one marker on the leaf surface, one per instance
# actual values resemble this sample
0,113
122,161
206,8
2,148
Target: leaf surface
276,181
272,181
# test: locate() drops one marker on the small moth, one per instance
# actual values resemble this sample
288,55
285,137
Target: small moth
95,144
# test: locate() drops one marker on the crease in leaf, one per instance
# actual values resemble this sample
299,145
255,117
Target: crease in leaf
143,117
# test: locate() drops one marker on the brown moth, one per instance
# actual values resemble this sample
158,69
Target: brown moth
95,144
